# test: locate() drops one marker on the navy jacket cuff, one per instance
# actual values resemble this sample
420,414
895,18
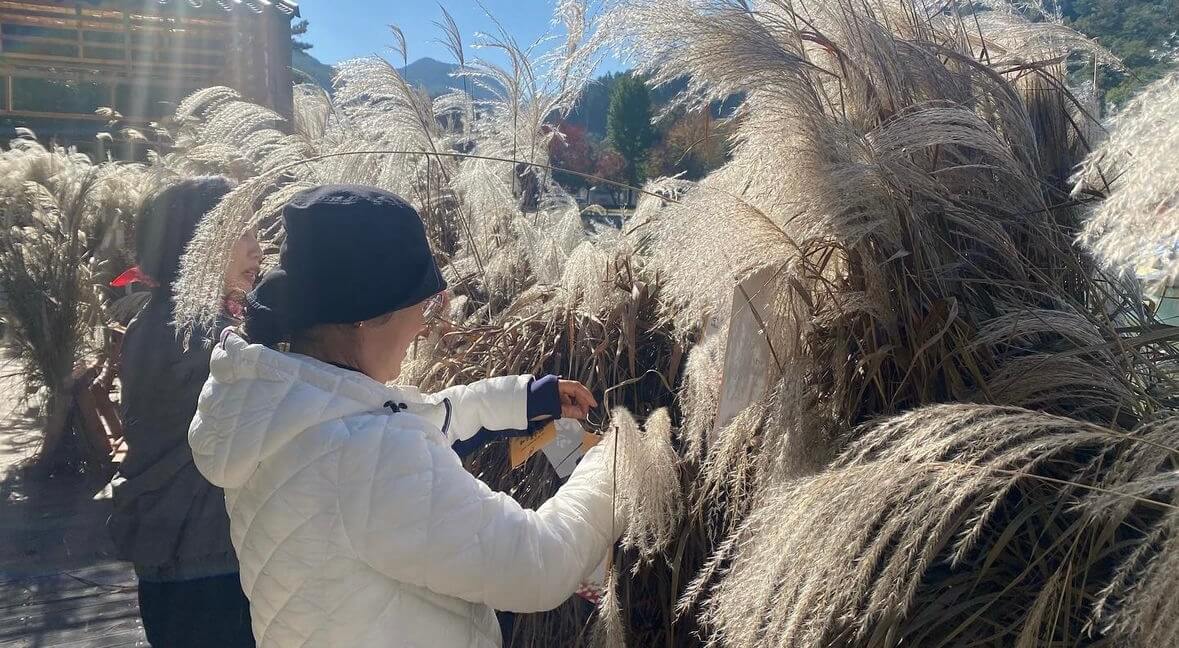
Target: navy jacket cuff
544,399
544,403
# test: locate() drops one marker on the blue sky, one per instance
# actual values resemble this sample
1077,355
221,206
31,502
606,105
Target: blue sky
342,29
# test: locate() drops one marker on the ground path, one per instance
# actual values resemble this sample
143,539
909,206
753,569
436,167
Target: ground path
60,585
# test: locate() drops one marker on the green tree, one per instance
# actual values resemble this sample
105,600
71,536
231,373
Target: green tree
298,30
694,145
592,106
594,103
1143,33
628,124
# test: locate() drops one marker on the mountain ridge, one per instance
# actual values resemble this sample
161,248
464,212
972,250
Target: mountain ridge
435,76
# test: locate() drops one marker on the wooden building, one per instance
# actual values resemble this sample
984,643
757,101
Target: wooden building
60,61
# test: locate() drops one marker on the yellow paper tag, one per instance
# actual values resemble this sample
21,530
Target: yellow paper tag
590,440
520,449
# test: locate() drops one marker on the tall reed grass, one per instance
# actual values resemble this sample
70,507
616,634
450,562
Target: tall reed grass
902,171
65,224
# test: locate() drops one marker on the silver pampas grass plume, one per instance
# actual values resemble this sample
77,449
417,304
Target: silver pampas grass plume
951,525
647,481
1136,227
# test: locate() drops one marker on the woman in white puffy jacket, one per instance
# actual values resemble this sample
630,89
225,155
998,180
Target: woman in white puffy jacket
353,519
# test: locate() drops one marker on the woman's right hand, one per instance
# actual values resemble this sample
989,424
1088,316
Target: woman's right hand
576,399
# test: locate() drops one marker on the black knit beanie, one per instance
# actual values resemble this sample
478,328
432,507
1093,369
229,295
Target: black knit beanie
351,253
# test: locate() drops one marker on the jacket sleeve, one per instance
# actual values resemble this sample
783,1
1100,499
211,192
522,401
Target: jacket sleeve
491,404
414,514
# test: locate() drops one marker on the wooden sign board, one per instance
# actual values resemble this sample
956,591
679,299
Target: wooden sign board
749,368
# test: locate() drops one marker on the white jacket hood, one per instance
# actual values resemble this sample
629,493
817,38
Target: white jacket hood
354,522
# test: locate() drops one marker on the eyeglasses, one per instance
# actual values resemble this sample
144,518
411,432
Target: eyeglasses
432,307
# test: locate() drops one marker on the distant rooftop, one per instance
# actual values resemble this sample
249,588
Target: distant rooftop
284,7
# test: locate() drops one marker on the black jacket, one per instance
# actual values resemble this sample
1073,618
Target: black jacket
167,519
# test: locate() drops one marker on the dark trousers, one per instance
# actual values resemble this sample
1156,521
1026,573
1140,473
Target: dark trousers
199,613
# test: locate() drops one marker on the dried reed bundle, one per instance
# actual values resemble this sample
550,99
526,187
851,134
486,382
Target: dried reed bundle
380,130
1139,606
906,194
646,470
216,131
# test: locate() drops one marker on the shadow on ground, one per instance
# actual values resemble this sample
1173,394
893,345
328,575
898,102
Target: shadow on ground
60,585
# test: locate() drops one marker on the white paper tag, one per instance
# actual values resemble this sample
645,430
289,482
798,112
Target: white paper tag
566,450
749,370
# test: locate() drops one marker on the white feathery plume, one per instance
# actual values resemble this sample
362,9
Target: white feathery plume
1136,227
646,472
872,551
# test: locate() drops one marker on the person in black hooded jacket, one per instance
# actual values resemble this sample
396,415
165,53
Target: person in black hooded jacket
167,519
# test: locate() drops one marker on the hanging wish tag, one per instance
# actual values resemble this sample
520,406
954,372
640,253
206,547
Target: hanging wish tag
520,449
564,442
568,448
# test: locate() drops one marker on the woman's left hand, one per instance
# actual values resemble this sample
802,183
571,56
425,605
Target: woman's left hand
576,399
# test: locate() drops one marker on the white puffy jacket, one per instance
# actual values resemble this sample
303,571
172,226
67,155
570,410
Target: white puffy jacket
355,523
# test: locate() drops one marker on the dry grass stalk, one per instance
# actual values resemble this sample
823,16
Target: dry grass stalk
65,223
898,183
1139,606
647,474
474,209
609,629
